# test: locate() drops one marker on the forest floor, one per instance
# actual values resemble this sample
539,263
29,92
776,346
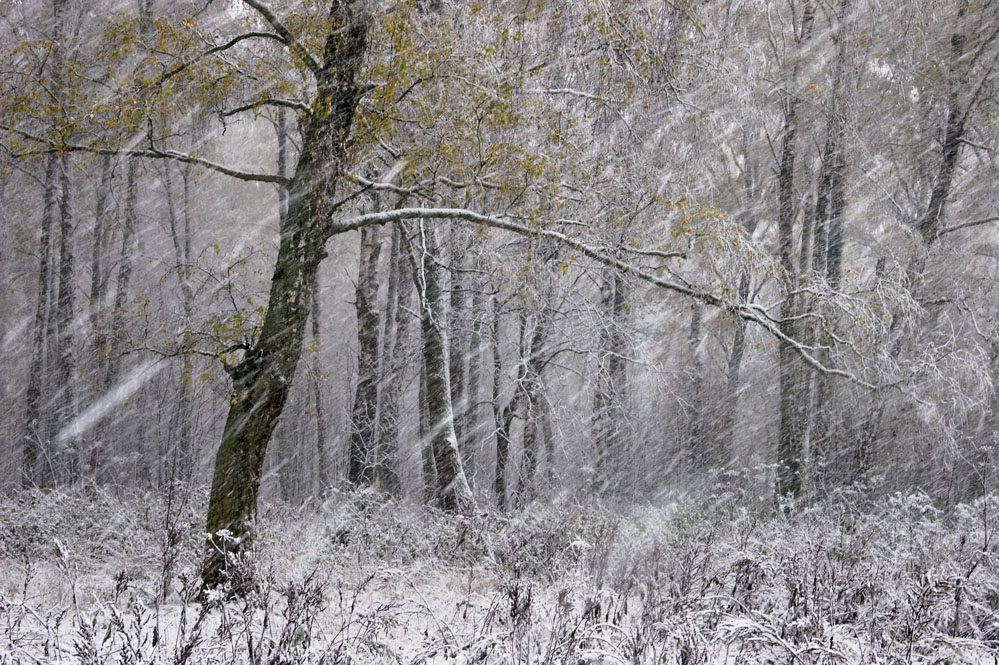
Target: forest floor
94,576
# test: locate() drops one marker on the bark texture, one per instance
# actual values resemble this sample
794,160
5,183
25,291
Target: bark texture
263,378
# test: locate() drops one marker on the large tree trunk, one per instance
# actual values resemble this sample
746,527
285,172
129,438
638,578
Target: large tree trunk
180,454
530,445
827,262
429,468
118,315
957,114
98,279
524,395
733,383
98,300
68,440
453,492
36,458
323,462
458,358
792,439
610,395
364,414
502,416
793,431
531,388
476,359
263,378
701,457
397,325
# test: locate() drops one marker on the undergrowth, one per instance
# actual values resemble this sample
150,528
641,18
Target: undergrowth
91,576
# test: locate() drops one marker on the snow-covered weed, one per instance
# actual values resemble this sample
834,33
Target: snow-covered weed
98,577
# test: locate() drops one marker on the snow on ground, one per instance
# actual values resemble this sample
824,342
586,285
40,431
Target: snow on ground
360,580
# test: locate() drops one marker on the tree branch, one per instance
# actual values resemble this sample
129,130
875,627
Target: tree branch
51,146
968,225
743,311
217,49
287,37
287,103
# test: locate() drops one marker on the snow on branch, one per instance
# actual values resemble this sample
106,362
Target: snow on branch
745,311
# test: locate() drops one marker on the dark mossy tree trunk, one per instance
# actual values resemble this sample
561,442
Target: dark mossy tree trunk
793,430
263,378
827,262
502,415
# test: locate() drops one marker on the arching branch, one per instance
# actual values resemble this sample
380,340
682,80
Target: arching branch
742,310
218,49
286,103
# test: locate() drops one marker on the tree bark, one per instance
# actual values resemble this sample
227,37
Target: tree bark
524,394
476,359
453,492
181,453
610,394
792,440
68,408
458,353
323,462
117,332
930,222
36,455
262,379
98,279
397,325
364,414
701,457
426,450
793,431
733,383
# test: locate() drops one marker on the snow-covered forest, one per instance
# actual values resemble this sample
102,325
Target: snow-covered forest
513,331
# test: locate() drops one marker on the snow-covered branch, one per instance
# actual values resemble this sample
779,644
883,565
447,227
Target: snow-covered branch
742,310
